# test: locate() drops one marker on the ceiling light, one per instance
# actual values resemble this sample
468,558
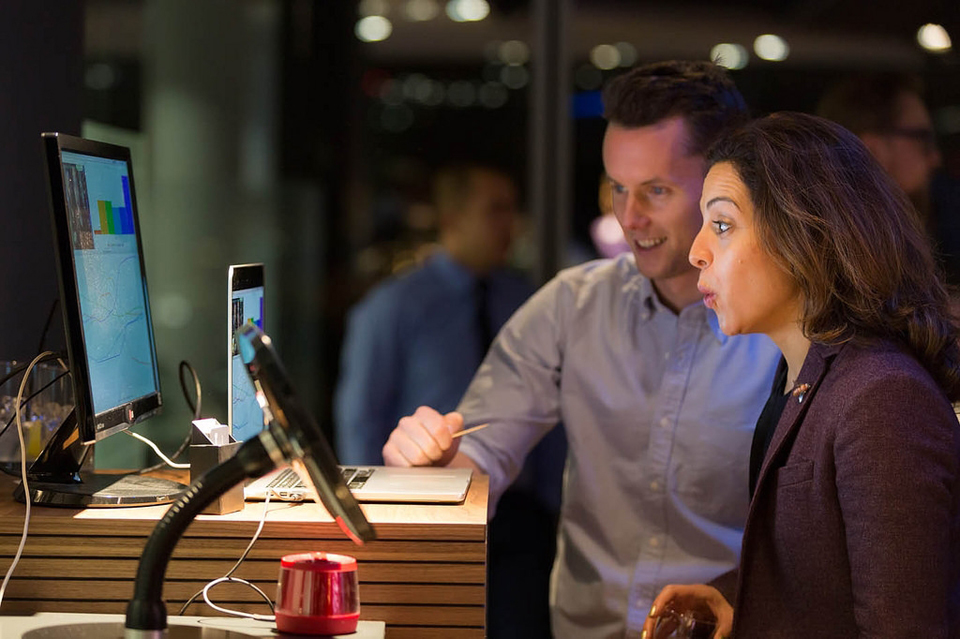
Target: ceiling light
373,29
771,47
934,38
468,10
730,55
513,52
605,56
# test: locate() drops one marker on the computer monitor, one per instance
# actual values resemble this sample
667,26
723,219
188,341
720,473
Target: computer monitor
106,312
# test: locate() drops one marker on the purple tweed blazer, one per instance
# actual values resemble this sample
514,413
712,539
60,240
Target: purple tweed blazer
853,529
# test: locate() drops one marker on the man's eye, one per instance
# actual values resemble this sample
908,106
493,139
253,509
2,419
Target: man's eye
658,191
618,189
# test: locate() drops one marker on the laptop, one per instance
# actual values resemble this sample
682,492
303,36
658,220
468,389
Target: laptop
245,303
433,485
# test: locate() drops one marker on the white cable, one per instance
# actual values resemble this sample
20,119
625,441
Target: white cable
227,577
23,472
156,449
232,612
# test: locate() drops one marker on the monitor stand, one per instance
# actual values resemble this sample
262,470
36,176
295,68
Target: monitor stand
55,479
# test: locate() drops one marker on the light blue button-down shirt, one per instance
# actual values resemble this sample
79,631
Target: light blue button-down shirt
659,411
413,340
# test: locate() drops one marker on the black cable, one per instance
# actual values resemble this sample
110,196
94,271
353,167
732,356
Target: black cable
194,408
196,386
13,417
46,325
18,369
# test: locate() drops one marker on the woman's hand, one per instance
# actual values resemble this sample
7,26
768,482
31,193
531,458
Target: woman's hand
701,601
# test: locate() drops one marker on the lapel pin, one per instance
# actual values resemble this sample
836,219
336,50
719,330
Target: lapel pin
799,391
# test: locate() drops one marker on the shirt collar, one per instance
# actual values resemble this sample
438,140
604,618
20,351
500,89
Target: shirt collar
458,277
650,304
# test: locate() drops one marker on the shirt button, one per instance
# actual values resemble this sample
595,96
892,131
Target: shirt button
655,486
654,542
664,422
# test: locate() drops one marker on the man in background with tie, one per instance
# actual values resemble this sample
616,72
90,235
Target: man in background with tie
418,338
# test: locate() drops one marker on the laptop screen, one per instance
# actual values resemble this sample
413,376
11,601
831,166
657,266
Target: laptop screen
246,302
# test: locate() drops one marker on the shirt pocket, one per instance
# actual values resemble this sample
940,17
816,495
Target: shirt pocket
794,473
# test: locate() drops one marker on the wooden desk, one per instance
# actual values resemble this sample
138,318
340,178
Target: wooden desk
425,576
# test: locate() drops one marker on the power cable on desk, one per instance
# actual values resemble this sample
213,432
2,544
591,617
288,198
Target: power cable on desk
23,471
195,408
228,577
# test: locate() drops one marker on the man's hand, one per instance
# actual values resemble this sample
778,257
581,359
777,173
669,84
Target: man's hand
423,439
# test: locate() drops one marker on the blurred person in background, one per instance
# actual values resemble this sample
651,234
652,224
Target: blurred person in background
417,339
887,112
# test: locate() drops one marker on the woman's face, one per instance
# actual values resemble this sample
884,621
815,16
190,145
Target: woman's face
738,279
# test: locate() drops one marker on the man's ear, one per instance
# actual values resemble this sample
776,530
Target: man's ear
879,146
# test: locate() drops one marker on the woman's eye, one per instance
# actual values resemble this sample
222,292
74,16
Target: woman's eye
720,226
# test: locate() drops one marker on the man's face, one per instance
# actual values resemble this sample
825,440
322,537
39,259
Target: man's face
656,185
908,151
487,223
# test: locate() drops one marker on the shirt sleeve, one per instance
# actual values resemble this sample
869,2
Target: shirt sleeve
517,388
366,396
896,466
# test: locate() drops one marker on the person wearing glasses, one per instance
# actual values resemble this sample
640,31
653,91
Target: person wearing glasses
854,523
887,112
657,404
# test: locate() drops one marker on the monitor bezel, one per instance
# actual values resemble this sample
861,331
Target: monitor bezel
92,427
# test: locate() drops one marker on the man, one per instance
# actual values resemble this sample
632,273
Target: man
887,112
419,338
658,405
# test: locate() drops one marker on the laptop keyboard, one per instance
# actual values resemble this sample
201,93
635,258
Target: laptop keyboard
355,478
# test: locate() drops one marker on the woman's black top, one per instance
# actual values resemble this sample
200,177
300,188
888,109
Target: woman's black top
767,423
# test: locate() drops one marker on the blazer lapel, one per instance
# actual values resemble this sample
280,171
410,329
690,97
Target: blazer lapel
814,369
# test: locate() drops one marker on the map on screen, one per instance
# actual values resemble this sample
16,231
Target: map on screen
113,300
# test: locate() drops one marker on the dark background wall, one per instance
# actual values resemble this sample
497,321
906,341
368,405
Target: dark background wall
41,78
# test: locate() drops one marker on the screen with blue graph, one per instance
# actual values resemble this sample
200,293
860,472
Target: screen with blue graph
110,282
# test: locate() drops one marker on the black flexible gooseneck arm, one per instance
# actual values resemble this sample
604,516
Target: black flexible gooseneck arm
146,612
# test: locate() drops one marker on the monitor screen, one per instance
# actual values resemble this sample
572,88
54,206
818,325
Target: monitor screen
245,302
103,286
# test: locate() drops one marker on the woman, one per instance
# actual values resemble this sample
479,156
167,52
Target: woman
853,526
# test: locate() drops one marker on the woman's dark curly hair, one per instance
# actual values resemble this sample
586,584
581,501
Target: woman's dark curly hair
831,217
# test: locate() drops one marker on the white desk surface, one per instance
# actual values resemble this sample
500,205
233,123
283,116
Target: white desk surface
17,626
